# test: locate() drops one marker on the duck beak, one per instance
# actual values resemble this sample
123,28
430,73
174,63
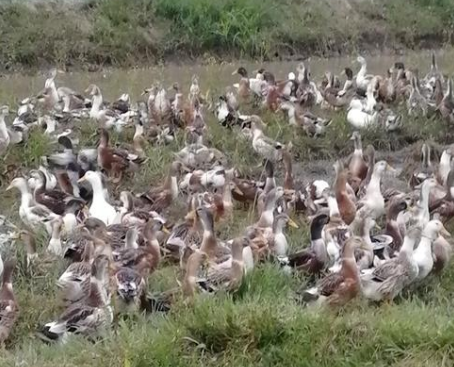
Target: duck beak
445,232
292,223
391,169
237,190
235,72
82,179
165,230
9,187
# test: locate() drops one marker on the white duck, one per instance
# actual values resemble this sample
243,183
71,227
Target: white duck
373,199
99,207
423,255
362,78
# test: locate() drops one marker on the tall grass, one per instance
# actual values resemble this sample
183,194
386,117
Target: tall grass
126,33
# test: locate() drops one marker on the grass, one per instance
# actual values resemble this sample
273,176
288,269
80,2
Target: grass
93,33
261,324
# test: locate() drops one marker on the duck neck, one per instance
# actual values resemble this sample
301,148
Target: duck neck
69,222
96,105
363,70
407,246
374,183
425,193
98,191
333,207
26,196
3,128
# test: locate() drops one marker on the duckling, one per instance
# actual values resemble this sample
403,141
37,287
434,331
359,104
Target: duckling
338,288
99,207
423,255
347,207
160,198
387,280
9,308
314,259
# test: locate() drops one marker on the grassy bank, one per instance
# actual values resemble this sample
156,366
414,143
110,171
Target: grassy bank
126,33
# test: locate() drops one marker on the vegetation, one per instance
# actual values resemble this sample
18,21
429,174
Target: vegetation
90,33
261,324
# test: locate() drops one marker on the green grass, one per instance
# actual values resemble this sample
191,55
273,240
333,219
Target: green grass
95,33
261,324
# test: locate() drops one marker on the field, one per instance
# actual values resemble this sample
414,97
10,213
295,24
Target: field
261,324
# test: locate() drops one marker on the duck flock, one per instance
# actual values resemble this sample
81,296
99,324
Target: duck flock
366,240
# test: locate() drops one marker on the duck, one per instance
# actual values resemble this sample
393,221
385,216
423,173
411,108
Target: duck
226,276
421,212
32,214
314,259
4,134
264,146
360,119
416,101
107,118
115,161
99,207
247,85
423,255
53,199
362,78
160,198
357,164
361,227
339,288
446,107
9,308
394,226
90,318
389,278
373,199
130,288
74,283
426,170
279,244
344,194
55,245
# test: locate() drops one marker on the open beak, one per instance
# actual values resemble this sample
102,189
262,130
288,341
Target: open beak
292,223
